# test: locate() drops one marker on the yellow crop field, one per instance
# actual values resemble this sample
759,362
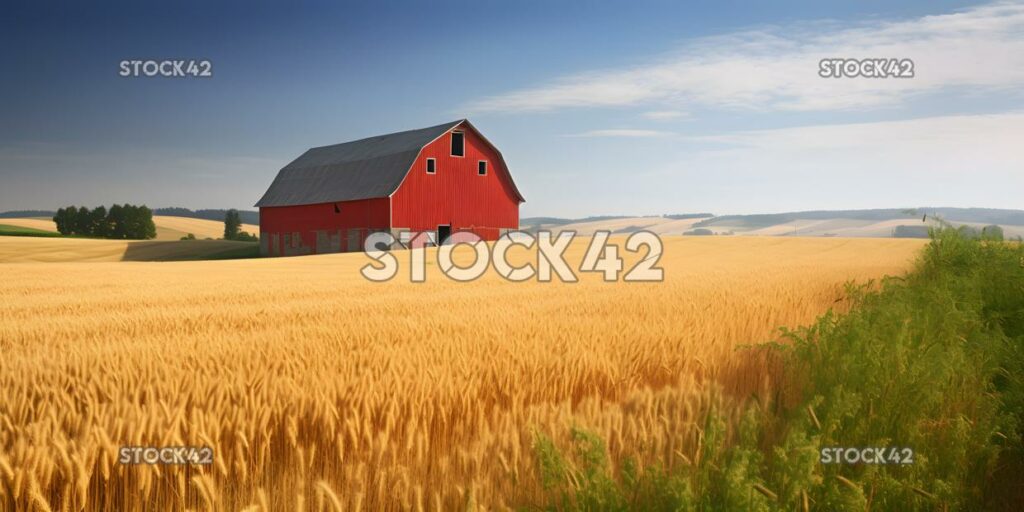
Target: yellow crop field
319,390
54,250
173,228
40,223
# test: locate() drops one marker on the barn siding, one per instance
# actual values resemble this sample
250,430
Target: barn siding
456,195
317,229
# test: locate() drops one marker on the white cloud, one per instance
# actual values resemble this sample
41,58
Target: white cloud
959,160
776,69
622,133
998,134
662,115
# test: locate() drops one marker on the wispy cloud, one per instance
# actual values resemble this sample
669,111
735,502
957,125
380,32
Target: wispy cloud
662,115
925,138
622,133
956,160
776,69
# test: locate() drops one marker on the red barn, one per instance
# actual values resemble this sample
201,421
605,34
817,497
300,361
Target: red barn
439,180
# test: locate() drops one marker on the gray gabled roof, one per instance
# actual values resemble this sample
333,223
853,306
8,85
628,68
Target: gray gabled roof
361,169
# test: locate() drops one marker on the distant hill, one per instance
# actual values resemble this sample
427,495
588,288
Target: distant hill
684,216
884,223
558,221
248,216
979,215
18,214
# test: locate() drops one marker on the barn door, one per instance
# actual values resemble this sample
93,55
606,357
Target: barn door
443,232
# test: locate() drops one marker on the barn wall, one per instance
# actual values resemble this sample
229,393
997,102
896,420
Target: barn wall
318,229
456,195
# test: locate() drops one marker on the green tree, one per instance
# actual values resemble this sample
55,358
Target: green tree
67,220
116,222
98,221
130,221
232,225
82,221
137,223
147,228
992,232
60,219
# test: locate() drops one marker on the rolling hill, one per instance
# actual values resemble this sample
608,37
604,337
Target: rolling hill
878,223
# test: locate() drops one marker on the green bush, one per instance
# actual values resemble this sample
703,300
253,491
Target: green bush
244,236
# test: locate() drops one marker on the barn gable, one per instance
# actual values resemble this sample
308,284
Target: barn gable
363,169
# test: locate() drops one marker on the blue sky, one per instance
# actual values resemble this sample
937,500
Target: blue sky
599,108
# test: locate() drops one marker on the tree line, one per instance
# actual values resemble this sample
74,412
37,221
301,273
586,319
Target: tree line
121,222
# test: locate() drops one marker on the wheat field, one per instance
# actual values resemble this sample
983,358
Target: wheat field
318,390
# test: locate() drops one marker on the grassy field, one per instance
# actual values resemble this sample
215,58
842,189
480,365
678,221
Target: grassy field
319,389
16,230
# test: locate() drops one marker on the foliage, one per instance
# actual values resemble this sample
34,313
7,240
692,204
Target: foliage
244,236
232,225
122,222
992,232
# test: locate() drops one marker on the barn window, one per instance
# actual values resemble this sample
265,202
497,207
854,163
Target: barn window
458,144
337,209
481,168
431,166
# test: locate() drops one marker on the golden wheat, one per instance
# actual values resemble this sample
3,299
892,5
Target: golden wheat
319,390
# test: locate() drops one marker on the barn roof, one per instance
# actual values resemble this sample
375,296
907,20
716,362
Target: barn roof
361,169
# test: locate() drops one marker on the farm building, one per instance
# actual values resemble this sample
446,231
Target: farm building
439,180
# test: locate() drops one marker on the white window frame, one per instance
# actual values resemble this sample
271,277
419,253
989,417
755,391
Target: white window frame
451,144
428,171
487,166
